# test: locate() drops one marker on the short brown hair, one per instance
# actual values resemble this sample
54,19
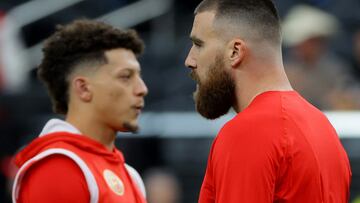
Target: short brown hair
261,15
80,42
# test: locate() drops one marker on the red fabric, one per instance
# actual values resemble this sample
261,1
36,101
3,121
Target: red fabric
80,142
279,149
47,182
96,157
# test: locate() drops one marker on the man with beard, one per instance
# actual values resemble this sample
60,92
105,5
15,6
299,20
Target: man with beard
93,78
278,148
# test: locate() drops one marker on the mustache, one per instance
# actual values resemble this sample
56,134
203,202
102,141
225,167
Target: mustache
194,76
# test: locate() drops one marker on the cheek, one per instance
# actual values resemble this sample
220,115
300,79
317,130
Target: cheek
203,73
206,62
202,66
118,97
121,99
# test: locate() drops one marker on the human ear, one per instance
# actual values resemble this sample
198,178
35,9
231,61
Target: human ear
237,51
82,89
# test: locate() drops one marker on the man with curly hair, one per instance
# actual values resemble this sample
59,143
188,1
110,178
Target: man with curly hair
278,148
93,77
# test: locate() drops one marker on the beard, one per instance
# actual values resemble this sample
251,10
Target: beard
133,128
215,96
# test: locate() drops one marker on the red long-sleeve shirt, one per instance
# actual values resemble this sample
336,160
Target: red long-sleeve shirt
279,149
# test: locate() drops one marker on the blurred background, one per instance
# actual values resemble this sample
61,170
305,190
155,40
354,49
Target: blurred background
321,54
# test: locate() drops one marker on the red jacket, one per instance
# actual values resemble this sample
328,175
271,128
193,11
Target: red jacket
63,167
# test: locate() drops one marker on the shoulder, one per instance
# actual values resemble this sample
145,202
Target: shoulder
260,125
53,170
57,162
268,111
255,120
55,176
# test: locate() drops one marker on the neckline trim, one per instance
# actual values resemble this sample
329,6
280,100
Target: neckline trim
57,125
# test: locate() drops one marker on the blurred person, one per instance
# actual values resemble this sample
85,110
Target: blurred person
314,71
13,79
93,77
13,56
278,148
162,186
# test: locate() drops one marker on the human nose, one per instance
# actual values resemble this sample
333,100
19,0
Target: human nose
190,61
141,89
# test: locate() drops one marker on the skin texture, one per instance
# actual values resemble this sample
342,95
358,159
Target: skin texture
253,66
108,98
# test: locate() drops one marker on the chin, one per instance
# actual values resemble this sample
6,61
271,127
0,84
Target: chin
130,127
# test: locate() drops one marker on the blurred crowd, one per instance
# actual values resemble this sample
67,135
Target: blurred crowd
321,55
313,66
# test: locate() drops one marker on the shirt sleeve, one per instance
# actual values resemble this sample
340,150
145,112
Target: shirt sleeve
55,179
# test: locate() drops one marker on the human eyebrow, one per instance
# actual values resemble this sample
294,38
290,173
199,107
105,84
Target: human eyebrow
196,40
130,71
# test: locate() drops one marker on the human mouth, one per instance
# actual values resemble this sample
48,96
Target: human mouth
138,108
194,77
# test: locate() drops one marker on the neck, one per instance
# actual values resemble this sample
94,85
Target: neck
91,128
256,80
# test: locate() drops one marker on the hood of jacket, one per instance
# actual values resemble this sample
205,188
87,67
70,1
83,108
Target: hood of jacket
58,131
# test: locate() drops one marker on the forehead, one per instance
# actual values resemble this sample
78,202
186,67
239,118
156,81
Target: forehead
122,59
203,25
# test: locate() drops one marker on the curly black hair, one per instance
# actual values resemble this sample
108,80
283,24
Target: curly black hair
82,41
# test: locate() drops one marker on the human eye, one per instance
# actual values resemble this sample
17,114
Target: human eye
197,44
125,76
